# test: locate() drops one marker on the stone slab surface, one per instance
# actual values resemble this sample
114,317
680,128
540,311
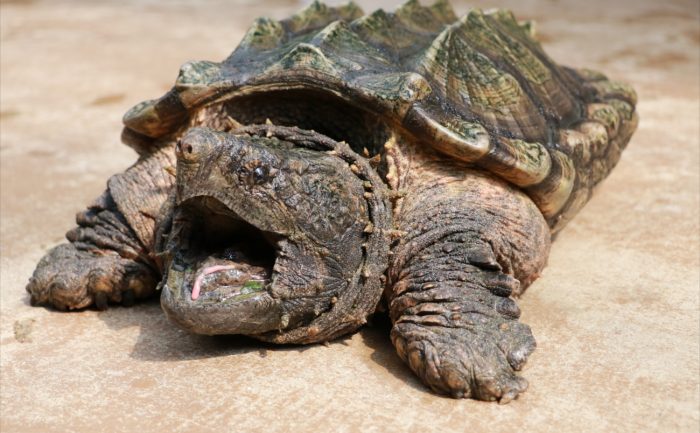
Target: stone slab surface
615,314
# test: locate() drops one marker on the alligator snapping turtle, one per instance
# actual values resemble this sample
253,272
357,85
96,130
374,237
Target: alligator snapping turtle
338,162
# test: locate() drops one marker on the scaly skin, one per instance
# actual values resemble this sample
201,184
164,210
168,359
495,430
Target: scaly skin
469,243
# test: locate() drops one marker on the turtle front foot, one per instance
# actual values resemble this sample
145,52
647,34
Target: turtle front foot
466,349
68,278
103,263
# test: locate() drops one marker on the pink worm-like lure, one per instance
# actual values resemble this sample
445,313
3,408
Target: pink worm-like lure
210,270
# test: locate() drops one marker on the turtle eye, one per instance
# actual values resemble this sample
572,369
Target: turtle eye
254,172
259,174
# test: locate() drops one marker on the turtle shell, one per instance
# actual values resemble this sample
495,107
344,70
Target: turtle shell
478,88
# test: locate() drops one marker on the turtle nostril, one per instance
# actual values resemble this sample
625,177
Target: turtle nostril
187,150
195,145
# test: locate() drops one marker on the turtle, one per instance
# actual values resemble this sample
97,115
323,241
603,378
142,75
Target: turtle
339,165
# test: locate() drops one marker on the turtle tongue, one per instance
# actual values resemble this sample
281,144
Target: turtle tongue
206,271
229,278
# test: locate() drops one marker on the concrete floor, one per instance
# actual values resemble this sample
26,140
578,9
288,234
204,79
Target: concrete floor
615,314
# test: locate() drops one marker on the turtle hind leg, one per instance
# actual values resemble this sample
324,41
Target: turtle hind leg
103,263
470,243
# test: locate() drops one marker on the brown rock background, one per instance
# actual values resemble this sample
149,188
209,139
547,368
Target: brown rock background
615,314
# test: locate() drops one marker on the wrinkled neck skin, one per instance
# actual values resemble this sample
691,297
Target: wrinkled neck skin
272,235
439,198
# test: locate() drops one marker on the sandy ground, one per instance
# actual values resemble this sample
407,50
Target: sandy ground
615,313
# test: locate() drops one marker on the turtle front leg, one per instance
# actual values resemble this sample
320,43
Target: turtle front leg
110,257
471,243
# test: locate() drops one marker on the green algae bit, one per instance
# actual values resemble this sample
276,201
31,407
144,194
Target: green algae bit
253,286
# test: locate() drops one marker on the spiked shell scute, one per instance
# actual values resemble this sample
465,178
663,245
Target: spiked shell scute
479,89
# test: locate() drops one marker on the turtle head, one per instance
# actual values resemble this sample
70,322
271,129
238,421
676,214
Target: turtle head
269,238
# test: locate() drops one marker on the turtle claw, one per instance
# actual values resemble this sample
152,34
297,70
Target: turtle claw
473,356
69,278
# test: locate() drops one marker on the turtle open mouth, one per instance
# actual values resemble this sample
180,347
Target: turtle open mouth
220,272
220,256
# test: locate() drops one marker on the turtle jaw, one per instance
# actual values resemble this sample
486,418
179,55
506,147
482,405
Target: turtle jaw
219,277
